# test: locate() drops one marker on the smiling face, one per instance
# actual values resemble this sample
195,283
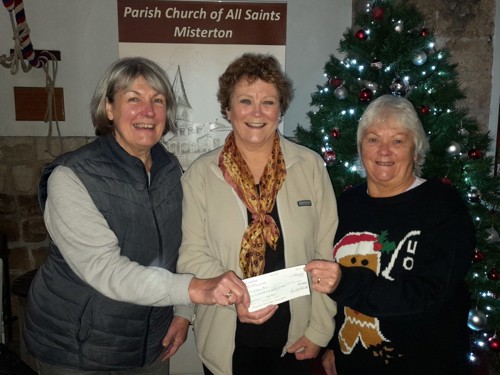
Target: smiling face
388,155
139,114
254,114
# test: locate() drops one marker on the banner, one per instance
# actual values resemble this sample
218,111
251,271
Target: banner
194,41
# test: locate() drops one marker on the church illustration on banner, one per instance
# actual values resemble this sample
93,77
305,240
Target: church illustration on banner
191,139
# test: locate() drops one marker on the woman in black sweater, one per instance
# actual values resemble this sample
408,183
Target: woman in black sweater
402,251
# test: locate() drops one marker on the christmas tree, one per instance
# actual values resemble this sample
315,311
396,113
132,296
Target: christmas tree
390,51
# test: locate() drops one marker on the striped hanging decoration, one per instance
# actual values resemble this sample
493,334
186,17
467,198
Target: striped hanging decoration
22,34
23,50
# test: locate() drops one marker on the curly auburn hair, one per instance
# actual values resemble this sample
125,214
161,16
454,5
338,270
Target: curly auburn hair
253,66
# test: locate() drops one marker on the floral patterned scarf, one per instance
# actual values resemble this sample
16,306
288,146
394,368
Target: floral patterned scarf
259,202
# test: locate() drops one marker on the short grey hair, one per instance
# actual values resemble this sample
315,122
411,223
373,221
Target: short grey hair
119,77
402,111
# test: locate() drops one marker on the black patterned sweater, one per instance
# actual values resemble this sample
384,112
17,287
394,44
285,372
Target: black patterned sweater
402,300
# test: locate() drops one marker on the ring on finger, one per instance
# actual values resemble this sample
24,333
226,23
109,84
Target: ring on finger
229,294
318,280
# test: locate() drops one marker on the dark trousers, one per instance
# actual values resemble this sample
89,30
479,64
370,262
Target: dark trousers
158,367
266,361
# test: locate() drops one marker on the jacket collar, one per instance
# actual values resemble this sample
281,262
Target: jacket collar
292,154
131,164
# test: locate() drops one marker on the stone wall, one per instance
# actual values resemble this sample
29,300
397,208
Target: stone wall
465,28
21,163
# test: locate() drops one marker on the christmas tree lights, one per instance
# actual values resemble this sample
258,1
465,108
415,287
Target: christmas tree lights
392,51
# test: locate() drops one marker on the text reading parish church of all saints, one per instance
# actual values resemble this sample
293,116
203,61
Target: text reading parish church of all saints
201,14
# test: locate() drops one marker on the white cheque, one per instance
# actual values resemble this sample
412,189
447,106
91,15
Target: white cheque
276,287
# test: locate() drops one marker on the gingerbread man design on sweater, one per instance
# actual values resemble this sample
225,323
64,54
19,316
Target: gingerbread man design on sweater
364,249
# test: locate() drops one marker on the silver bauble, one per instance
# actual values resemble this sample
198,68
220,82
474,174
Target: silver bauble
474,195
463,131
454,149
399,87
419,58
492,235
477,320
376,64
340,93
399,27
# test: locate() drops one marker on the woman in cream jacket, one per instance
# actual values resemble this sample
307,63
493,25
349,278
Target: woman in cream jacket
215,219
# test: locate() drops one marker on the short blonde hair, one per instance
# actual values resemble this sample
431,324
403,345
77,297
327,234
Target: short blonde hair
120,76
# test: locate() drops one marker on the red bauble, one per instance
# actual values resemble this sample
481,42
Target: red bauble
494,343
335,81
366,95
424,32
475,154
446,180
335,133
361,34
329,157
377,13
478,256
424,109
493,274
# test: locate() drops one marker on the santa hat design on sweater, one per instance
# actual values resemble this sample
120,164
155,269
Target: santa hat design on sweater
361,244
